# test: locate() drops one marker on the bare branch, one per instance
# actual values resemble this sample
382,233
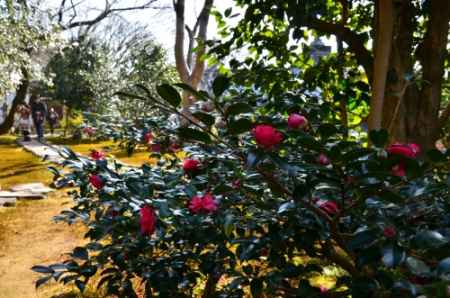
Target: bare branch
105,13
354,40
180,60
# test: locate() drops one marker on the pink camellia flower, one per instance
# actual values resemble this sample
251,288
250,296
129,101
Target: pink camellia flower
148,137
147,220
205,204
96,181
389,232
323,159
97,155
267,136
196,204
296,121
406,150
329,207
190,165
209,204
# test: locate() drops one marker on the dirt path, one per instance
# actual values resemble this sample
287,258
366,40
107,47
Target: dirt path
28,236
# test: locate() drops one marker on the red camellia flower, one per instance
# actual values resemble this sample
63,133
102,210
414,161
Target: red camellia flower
97,155
174,147
190,165
296,121
406,150
266,136
399,170
205,204
196,204
148,137
89,131
147,220
323,159
156,148
389,232
329,207
236,184
96,181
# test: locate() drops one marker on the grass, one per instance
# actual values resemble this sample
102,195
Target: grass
27,234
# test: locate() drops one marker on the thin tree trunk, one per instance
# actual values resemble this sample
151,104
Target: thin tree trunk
21,93
381,62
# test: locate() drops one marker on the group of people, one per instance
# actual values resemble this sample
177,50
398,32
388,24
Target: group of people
38,112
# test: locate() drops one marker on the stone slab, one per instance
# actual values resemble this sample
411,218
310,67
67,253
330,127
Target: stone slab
38,188
8,202
21,195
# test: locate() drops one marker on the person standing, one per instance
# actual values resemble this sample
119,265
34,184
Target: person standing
52,119
38,113
24,122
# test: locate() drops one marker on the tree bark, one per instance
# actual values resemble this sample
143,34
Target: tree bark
21,93
381,62
191,72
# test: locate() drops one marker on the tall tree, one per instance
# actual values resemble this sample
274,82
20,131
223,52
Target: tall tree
189,69
401,46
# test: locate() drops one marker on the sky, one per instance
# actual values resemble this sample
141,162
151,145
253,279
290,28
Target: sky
160,22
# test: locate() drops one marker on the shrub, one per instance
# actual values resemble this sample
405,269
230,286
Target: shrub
265,197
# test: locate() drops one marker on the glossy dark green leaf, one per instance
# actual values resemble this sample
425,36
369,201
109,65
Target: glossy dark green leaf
416,266
429,239
42,280
379,138
326,130
362,239
239,126
436,156
80,253
42,269
444,266
228,225
220,84
169,94
194,134
393,255
205,118
238,108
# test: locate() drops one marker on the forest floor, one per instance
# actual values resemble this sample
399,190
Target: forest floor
28,235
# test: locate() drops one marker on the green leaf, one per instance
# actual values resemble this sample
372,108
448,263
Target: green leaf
417,266
256,287
228,225
42,281
80,253
393,255
436,156
42,269
198,94
444,266
327,130
239,126
169,94
220,84
238,108
194,134
285,207
429,239
361,240
205,118
227,12
379,138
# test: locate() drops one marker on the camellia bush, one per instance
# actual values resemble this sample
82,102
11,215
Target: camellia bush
270,194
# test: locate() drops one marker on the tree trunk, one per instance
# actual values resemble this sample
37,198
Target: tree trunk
21,93
381,63
411,113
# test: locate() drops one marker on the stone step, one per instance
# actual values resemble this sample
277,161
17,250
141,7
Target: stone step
8,202
22,195
38,188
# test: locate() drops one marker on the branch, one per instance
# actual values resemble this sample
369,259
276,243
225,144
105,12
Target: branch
180,61
105,13
199,68
354,41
